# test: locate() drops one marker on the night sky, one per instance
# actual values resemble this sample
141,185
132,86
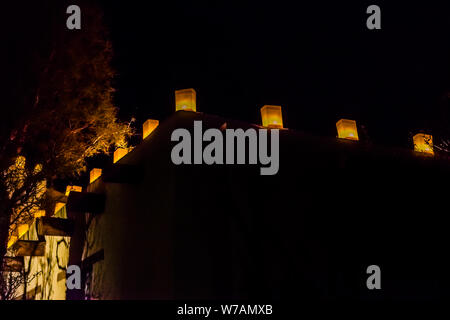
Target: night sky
317,60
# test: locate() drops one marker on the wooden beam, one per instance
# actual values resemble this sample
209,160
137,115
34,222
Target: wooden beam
29,248
96,257
48,226
86,202
123,173
12,264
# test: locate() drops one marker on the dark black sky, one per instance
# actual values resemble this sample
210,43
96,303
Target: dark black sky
317,59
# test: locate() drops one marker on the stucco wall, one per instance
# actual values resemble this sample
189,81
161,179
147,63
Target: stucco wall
48,272
213,232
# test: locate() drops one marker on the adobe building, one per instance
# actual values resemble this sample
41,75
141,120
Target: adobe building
145,228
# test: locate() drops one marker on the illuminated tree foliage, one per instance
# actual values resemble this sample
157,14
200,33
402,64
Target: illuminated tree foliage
63,116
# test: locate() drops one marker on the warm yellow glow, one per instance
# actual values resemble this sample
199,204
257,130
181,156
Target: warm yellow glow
22,229
39,213
148,127
11,241
185,100
20,162
120,153
58,206
271,117
49,276
423,143
38,168
73,188
94,174
347,129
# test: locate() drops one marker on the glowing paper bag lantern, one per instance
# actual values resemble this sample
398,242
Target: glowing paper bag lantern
271,117
423,143
120,153
148,127
347,129
11,241
94,174
22,229
185,100
59,206
73,188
